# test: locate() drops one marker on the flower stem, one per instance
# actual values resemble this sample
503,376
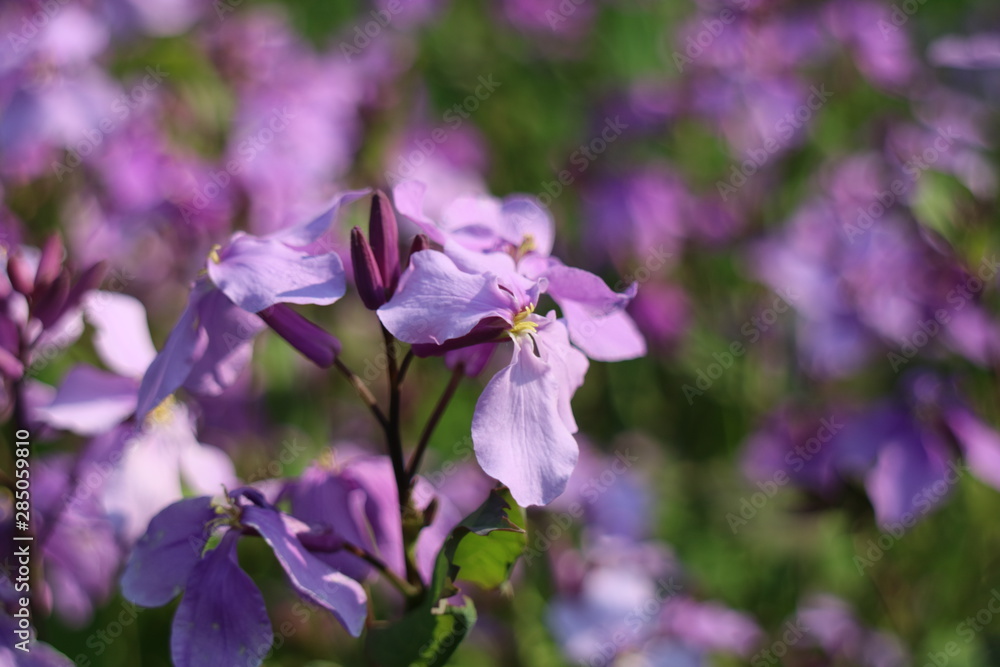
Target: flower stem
405,366
439,409
363,391
393,436
403,586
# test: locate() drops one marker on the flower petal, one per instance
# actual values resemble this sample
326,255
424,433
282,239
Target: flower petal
256,273
225,349
221,619
519,436
409,199
162,559
437,301
310,576
569,365
122,333
595,315
90,401
308,232
173,363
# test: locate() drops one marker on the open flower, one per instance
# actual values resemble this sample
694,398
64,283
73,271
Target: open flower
523,425
222,617
247,277
482,231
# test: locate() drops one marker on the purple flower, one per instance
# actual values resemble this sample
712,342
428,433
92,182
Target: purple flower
209,345
523,425
514,239
222,617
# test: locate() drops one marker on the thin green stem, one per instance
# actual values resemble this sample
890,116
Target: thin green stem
403,586
363,391
405,366
432,422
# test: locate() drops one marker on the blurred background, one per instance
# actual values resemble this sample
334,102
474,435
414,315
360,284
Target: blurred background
805,193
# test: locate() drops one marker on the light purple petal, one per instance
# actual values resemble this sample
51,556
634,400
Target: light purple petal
122,334
524,217
310,576
173,363
227,332
433,537
519,436
437,301
595,315
907,469
308,232
221,619
568,364
408,197
980,444
257,273
162,559
90,401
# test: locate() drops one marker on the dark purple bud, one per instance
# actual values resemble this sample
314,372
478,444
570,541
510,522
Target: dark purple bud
367,277
384,234
420,243
90,279
9,365
315,343
50,262
19,272
50,305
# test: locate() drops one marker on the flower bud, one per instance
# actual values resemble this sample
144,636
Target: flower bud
313,342
367,277
420,243
51,304
19,272
50,262
384,234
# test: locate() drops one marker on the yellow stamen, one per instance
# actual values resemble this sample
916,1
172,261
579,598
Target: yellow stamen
522,325
527,245
213,254
162,412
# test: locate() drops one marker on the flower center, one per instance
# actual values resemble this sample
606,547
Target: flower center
527,245
522,325
162,412
213,254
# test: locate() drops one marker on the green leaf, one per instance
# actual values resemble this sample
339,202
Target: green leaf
428,635
485,546
482,550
